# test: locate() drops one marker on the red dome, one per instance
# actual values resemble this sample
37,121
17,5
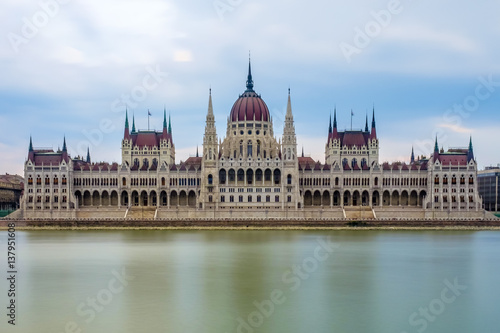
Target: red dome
251,105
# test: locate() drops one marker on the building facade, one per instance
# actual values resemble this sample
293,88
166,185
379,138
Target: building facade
489,184
250,172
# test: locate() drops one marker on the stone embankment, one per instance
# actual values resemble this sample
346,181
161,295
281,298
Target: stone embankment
241,223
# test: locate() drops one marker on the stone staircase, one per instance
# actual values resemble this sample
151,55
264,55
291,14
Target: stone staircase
359,212
141,213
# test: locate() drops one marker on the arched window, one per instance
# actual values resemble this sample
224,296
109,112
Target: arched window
277,176
241,175
453,180
462,180
471,180
145,162
231,175
136,162
222,176
289,179
363,162
249,148
258,147
64,180
376,181
210,179
445,180
162,181
124,181
56,180
241,148
436,180
47,180
345,162
155,162
353,162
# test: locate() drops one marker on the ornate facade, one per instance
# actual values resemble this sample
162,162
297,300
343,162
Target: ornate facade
250,171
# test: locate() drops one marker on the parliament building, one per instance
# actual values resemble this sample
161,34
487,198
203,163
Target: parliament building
251,173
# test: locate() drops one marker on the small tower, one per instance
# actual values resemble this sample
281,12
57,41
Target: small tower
373,147
210,145
470,153
412,158
88,156
289,142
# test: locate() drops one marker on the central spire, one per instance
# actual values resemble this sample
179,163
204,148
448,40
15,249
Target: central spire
249,79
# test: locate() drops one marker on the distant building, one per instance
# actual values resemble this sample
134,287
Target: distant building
251,172
489,185
11,187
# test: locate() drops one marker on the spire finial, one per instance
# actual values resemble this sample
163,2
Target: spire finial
88,155
31,144
169,125
133,123
412,159
335,117
470,153
302,151
330,123
366,123
197,155
64,144
164,117
126,118
436,147
249,78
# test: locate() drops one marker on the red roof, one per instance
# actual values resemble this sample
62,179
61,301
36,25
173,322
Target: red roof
354,138
250,106
453,159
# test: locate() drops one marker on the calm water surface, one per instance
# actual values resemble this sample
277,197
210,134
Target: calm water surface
226,281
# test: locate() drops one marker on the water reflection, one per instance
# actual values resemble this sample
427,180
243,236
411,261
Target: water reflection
212,281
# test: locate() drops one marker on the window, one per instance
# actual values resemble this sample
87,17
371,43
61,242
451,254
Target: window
289,198
231,198
210,198
222,198
47,180
268,198
289,179
38,180
64,180
210,180
249,147
249,198
56,180
277,198
259,199
240,198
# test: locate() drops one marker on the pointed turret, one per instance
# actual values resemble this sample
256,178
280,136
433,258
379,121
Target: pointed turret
412,158
302,151
164,118
165,128
133,123
470,153
169,125
335,134
289,138
64,149
126,135
330,125
366,124
197,154
249,78
373,133
31,145
88,155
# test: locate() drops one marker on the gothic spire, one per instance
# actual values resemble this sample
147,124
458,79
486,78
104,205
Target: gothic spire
302,151
126,118
436,147
210,106
133,123
164,117
88,155
335,118
366,124
31,144
169,125
249,78
330,125
64,149
373,133
412,158
197,154
470,153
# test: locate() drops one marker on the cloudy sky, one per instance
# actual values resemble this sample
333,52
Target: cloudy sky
70,68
